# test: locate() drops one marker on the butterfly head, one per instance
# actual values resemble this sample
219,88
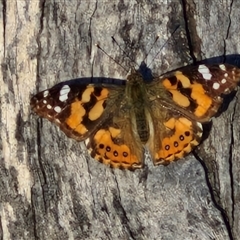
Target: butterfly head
146,72
143,74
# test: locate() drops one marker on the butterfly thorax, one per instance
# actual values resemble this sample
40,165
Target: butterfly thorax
136,93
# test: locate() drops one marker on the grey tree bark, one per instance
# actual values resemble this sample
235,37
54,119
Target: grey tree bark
50,187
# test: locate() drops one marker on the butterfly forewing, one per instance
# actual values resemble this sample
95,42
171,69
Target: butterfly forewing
78,109
198,90
180,101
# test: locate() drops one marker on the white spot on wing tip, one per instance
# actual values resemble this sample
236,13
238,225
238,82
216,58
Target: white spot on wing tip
204,70
66,87
45,93
222,66
49,106
223,81
216,86
63,95
57,109
226,90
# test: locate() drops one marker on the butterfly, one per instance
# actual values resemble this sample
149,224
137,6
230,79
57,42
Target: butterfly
118,119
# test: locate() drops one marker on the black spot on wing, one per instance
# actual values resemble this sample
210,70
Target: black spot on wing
89,105
179,85
97,91
185,91
173,80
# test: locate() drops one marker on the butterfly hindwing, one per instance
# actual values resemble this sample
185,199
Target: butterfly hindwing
174,134
116,144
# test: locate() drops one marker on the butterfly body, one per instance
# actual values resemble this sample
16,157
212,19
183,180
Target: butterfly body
118,121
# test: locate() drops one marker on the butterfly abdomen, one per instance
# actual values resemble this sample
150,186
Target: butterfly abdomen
142,126
137,91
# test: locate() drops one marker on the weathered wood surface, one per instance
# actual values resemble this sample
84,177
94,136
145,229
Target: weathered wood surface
50,188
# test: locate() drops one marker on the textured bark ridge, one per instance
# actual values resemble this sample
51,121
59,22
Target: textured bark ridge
50,187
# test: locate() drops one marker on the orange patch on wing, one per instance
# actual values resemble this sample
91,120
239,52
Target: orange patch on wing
96,111
114,132
179,98
180,77
197,88
112,153
180,143
81,129
86,96
74,121
204,101
75,118
167,84
170,123
183,79
104,94
184,121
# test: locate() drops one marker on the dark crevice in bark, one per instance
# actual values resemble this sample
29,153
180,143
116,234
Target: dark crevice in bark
117,205
228,29
230,21
4,10
90,37
34,215
217,205
188,17
41,23
188,34
34,194
231,174
41,20
39,150
1,229
194,42
90,29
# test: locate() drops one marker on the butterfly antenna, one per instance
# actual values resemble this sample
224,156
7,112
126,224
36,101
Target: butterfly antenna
132,60
98,46
156,39
162,45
